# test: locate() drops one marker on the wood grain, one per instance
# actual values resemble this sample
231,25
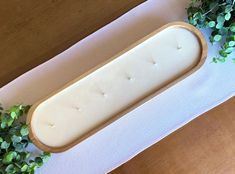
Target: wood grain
32,32
205,146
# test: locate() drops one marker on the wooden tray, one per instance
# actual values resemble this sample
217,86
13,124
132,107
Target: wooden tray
203,54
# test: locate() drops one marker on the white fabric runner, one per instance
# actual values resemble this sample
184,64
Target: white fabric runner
139,129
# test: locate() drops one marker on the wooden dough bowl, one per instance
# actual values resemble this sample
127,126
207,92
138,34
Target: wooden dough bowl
51,101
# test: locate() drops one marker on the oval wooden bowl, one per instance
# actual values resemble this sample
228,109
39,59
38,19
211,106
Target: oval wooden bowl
203,56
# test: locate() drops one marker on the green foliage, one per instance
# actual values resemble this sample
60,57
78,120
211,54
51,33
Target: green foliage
14,140
218,15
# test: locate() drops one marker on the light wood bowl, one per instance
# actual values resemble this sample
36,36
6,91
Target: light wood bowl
203,56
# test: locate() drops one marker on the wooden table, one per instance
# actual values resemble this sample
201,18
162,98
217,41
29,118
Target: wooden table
32,32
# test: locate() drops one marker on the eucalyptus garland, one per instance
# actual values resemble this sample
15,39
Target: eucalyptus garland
219,16
14,140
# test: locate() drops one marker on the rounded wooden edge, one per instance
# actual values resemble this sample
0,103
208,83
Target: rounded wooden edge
204,50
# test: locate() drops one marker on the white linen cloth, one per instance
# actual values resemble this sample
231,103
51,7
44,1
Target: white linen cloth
144,126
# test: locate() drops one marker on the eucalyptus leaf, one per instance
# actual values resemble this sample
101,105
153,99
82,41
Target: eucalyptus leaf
24,130
227,16
8,157
5,145
16,139
223,53
19,147
231,43
219,17
220,25
10,169
232,27
217,38
212,24
39,161
14,155
24,168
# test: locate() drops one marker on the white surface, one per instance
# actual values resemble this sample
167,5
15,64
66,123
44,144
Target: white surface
136,131
107,91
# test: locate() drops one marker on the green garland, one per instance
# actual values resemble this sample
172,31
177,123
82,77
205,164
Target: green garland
219,16
14,140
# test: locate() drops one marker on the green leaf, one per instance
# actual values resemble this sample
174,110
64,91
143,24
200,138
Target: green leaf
232,27
19,147
212,24
14,111
217,38
198,15
33,166
10,121
13,115
3,125
7,120
45,156
225,46
10,169
5,145
232,37
227,16
223,53
229,50
228,8
231,43
17,158
221,19
25,155
24,130
8,157
193,21
24,168
39,161
219,26
214,60
221,60
16,139
212,39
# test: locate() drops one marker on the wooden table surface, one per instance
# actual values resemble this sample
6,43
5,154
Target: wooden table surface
32,32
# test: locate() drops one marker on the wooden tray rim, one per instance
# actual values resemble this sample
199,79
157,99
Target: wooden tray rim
178,24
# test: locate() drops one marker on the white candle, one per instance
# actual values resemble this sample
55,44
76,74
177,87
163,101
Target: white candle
95,98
